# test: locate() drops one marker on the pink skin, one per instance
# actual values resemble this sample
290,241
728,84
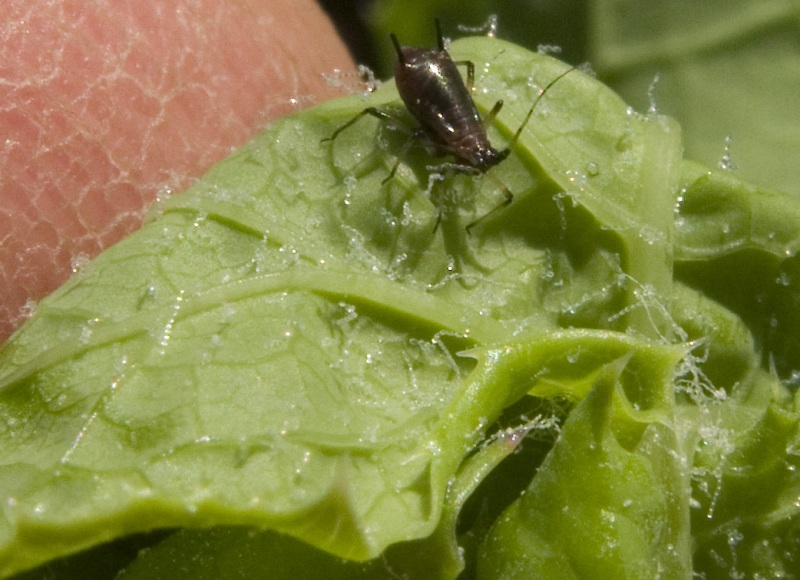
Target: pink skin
106,103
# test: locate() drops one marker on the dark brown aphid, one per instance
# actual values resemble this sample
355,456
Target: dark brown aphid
433,91
435,94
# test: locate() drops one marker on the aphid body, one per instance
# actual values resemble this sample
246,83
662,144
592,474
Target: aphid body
434,92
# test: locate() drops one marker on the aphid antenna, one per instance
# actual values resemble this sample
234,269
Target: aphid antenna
511,143
439,36
529,114
397,48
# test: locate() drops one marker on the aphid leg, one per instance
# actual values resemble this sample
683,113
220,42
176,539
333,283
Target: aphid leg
470,73
452,169
417,134
438,220
440,41
368,111
509,197
487,120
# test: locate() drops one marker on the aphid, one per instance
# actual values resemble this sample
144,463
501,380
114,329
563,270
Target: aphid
435,94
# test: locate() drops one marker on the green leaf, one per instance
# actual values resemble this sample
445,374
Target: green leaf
615,481
745,482
234,552
738,244
725,69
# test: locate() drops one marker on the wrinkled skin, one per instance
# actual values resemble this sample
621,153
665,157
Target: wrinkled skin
106,104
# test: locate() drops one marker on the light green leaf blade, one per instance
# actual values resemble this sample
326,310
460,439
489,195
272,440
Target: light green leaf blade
746,482
738,244
278,346
615,480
